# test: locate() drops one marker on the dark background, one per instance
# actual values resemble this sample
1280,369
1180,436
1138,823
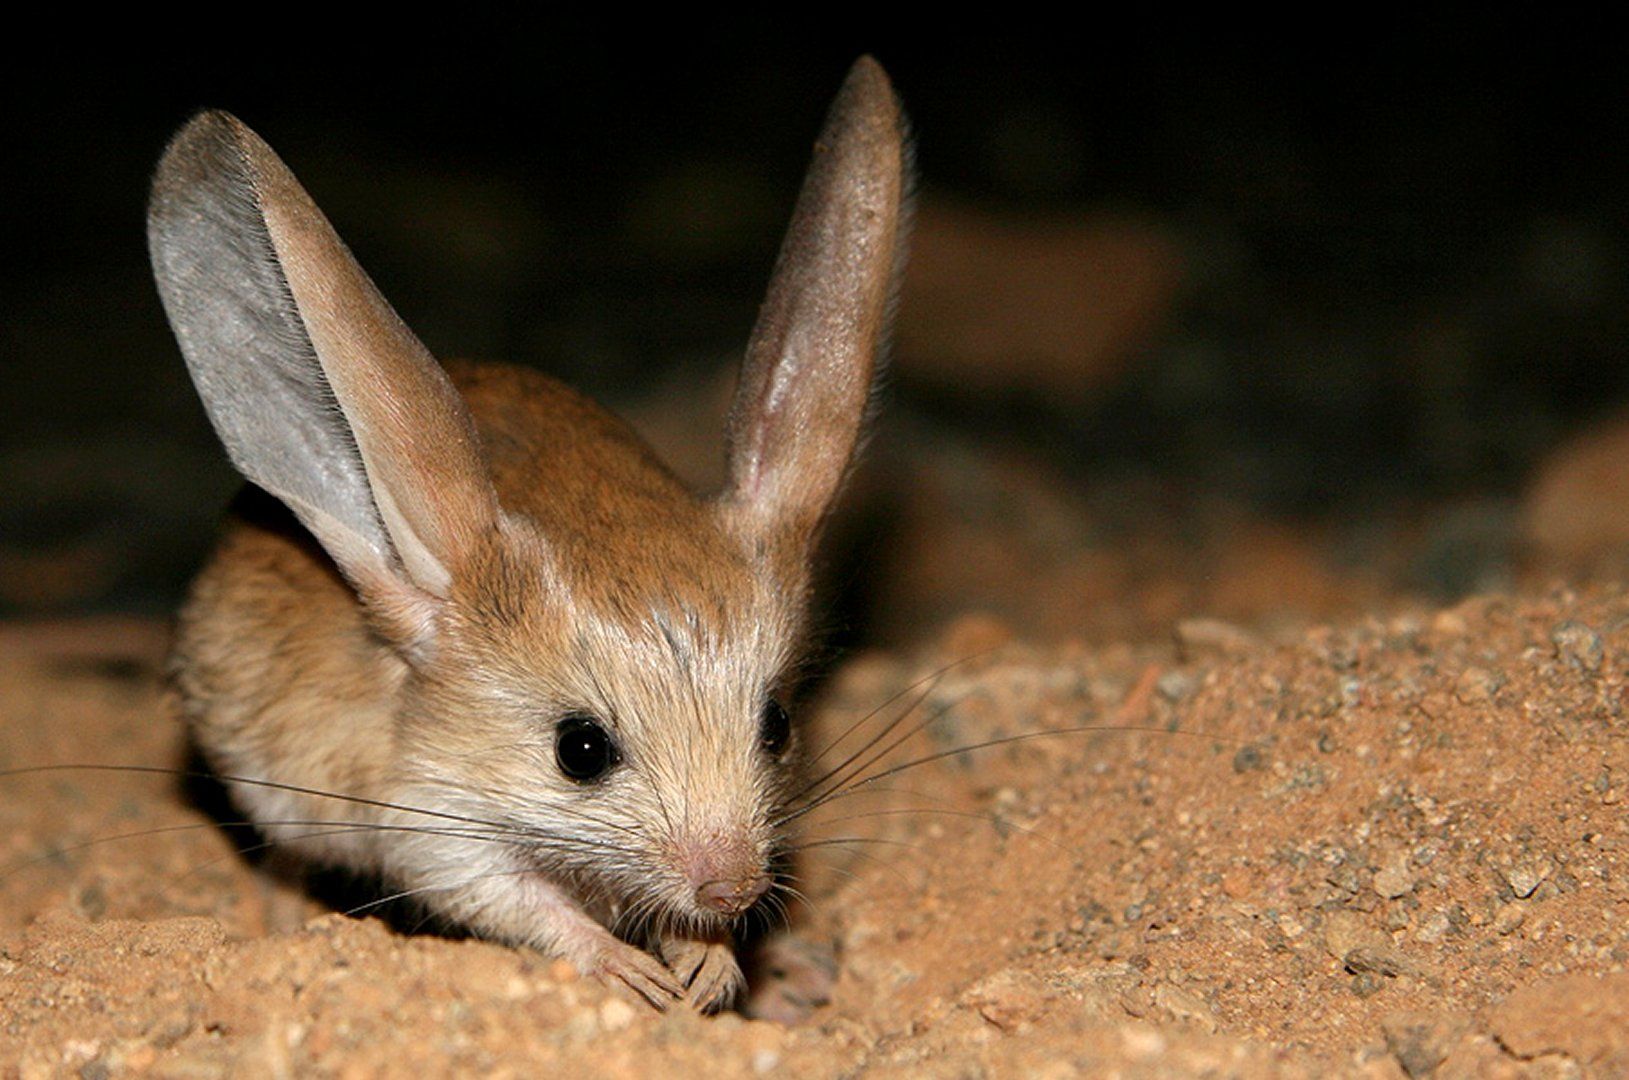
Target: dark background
1405,244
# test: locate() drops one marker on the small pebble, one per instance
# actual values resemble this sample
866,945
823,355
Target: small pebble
1367,984
1348,932
1185,1006
1435,927
1477,686
1248,758
1419,1041
1526,878
1393,880
1578,645
1175,685
1384,960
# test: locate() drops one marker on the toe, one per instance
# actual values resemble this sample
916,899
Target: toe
716,982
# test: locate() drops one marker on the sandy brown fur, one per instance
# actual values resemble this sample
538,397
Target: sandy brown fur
272,636
474,560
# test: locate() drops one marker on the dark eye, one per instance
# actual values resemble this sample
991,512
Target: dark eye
582,748
775,728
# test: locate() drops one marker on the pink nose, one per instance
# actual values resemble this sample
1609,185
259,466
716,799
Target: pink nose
732,897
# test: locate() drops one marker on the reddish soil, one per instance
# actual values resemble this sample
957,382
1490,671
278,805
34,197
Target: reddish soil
1320,827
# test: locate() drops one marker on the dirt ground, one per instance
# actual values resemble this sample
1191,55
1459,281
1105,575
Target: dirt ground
1317,826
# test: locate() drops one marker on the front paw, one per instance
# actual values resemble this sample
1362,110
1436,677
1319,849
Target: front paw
708,970
624,965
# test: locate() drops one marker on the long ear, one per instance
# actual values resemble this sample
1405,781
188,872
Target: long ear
806,380
320,393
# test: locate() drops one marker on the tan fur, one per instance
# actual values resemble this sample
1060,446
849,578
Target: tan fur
381,681
286,678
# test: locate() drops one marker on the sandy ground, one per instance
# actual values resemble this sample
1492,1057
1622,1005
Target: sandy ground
1317,827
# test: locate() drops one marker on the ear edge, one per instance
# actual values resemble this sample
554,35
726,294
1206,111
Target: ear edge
412,429
239,330
857,194
210,190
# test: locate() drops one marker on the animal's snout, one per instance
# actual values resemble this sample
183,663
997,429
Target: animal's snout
727,872
732,897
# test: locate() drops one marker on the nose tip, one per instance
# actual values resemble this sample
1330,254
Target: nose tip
732,897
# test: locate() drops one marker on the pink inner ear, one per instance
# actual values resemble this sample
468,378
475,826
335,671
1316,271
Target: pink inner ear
415,436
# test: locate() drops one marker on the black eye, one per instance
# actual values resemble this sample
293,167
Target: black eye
582,748
775,728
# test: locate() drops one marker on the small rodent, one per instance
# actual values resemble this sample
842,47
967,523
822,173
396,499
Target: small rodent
507,660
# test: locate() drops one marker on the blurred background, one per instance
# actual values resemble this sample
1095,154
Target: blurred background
1202,317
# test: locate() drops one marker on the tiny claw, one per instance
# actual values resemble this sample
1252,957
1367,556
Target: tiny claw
640,972
716,985
708,970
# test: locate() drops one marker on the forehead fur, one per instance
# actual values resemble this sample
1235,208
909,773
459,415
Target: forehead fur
614,589
631,631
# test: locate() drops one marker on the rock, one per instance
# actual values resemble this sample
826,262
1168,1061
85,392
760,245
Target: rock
1578,645
1477,686
1377,960
1509,919
1435,928
1011,999
1393,880
1247,758
1238,883
1525,878
1419,1041
1363,948
1176,685
1585,1017
1183,1006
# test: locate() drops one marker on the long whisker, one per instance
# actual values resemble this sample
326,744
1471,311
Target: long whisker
856,783
297,789
440,887
931,680
832,841
889,867
494,835
778,909
521,837
911,792
893,744
194,774
853,767
995,822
